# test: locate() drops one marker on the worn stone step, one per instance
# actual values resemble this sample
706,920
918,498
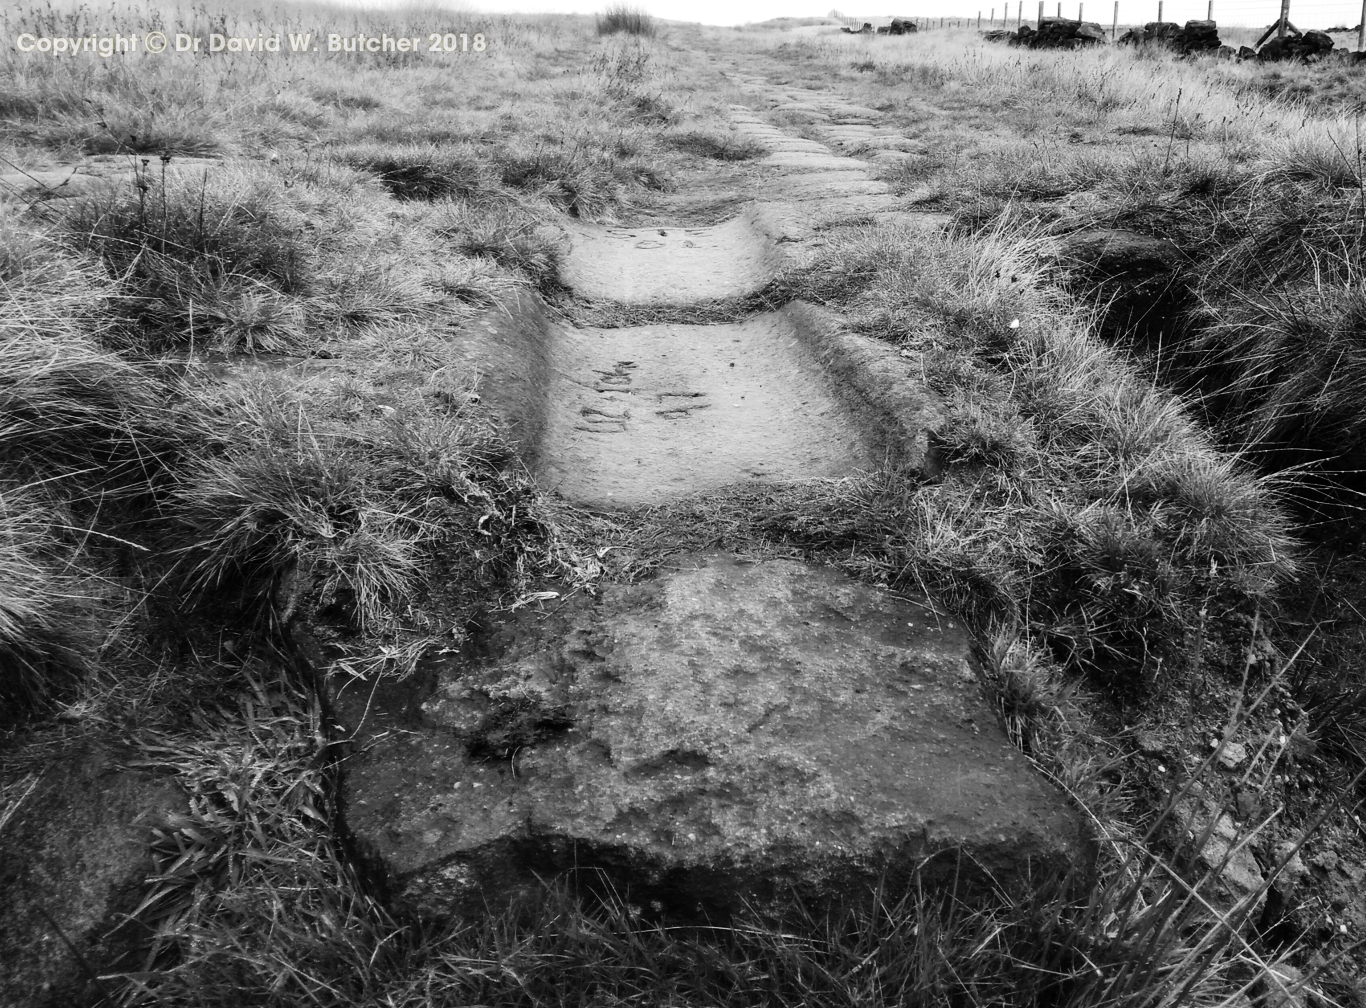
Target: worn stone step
729,732
670,265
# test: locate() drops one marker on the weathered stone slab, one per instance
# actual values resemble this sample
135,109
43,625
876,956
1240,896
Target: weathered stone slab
789,144
859,112
812,161
646,414
730,731
74,854
670,265
831,185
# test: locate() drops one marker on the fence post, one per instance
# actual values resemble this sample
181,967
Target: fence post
1040,12
1209,11
1159,10
1114,28
992,22
1059,8
1285,19
1361,27
1079,17
979,20
1019,12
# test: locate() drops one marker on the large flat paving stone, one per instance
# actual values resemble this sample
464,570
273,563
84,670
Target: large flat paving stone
729,731
74,858
669,265
822,161
791,144
831,185
646,414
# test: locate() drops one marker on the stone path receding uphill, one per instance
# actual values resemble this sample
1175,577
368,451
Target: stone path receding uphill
728,730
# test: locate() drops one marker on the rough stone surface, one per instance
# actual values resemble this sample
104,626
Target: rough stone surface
1112,252
1282,986
1194,36
88,175
672,265
1209,837
645,414
1199,36
788,145
829,185
810,161
1307,47
1059,33
728,731
510,349
75,850
1232,755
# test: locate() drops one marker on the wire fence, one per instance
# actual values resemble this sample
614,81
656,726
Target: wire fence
1304,16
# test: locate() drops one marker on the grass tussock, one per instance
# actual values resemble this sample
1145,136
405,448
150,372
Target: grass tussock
627,20
717,146
234,247
383,518
1079,501
88,441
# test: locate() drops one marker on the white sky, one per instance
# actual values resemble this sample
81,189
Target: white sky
1304,13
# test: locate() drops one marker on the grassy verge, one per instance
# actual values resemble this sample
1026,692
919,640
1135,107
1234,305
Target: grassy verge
1078,502
1258,186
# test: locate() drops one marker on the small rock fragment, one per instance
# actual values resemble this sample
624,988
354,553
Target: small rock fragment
1232,755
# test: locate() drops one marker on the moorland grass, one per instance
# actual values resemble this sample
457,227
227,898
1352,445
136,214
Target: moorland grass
1261,190
1078,500
622,18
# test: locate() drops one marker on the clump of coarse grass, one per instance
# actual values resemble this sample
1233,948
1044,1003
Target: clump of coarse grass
628,20
716,145
422,171
74,414
42,650
251,891
211,243
354,507
1271,343
583,181
88,444
346,98
505,233
1079,500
